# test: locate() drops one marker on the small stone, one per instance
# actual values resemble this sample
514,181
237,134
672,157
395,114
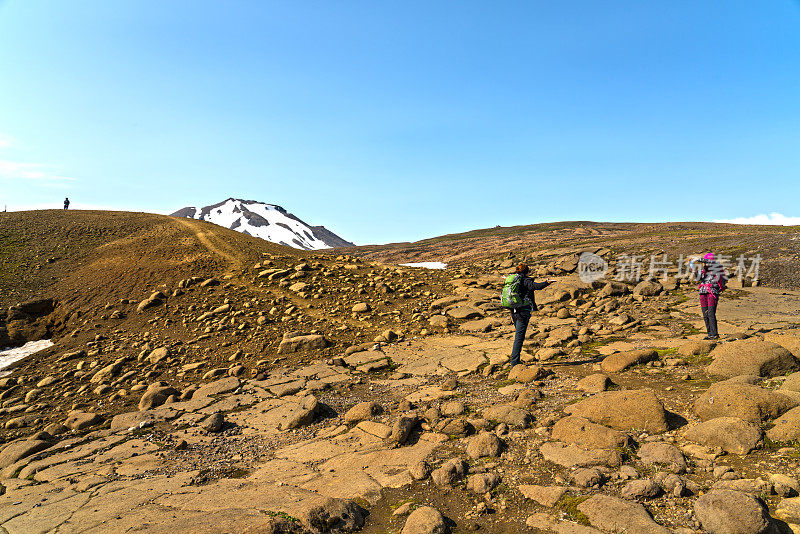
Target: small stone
213,423
641,489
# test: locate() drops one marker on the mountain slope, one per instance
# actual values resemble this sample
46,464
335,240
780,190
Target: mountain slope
267,221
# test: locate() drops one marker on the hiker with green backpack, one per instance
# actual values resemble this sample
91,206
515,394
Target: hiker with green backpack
518,297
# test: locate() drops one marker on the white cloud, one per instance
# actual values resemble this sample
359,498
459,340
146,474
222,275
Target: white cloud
773,218
6,141
17,170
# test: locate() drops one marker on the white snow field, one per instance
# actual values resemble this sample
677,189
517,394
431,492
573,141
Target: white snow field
9,356
426,265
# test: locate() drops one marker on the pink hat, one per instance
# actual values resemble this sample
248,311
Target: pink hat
709,256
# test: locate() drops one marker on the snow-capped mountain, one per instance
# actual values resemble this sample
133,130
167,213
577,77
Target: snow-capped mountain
266,221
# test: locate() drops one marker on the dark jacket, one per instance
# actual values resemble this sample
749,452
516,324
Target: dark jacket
528,287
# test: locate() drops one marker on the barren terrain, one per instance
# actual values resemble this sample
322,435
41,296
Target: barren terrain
206,381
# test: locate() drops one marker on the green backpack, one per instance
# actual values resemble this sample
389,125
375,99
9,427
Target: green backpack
511,297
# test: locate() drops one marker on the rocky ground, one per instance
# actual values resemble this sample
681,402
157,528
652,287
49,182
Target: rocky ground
248,388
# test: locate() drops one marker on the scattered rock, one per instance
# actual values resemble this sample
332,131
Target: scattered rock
77,420
334,515
362,411
524,374
296,342
789,510
787,426
18,450
449,472
545,495
622,360
480,483
402,429
584,433
595,383
662,453
641,489
699,347
508,414
783,485
573,456
484,445
213,423
156,395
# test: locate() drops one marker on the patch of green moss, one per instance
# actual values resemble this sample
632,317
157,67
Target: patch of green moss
283,515
569,505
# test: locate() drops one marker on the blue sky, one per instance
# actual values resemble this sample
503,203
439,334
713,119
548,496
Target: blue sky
394,121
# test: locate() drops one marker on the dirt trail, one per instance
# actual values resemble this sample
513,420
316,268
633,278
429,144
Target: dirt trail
206,236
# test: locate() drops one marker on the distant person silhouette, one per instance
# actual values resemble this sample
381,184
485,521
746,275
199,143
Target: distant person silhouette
66,203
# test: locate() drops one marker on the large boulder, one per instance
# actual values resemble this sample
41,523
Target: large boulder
732,512
583,433
611,514
790,342
156,395
787,426
637,409
751,357
789,510
792,382
524,374
465,312
696,347
746,401
17,450
333,515
622,360
731,434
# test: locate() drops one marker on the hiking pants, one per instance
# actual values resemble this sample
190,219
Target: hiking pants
520,317
708,305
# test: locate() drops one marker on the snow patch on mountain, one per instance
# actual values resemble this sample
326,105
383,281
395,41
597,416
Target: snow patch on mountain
267,221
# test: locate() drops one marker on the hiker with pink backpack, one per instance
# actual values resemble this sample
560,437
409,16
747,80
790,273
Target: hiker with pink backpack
712,280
